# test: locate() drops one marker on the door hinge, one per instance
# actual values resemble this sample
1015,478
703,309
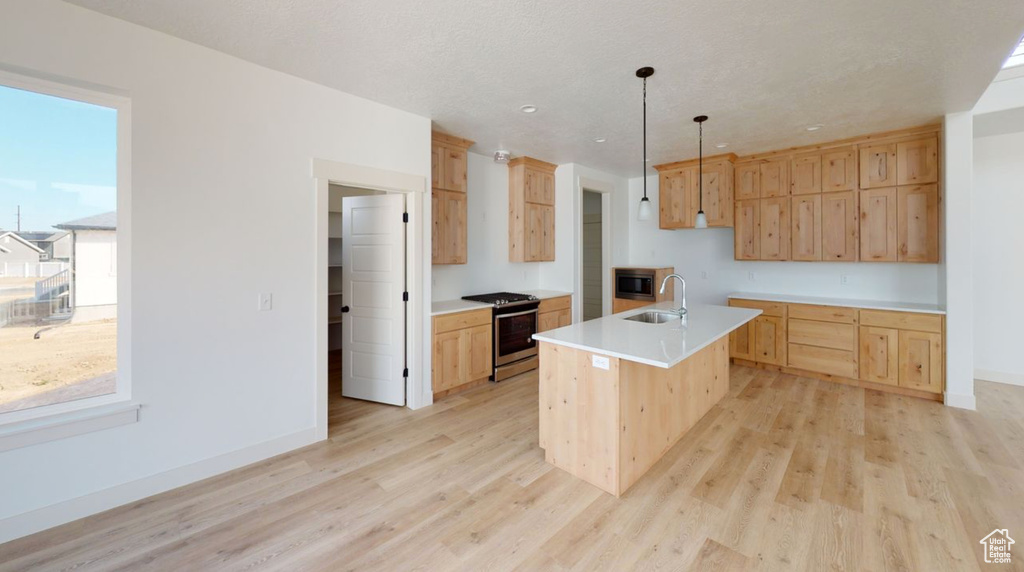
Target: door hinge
405,372
405,217
405,296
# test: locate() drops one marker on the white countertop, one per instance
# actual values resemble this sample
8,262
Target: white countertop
460,305
660,345
849,303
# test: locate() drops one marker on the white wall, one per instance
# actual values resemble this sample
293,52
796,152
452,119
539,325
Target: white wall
487,268
95,261
222,155
693,252
998,200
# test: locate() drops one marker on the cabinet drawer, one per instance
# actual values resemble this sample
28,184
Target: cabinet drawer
836,314
902,320
823,334
823,360
777,309
552,304
461,320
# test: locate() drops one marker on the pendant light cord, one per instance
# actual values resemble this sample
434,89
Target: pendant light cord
643,172
700,167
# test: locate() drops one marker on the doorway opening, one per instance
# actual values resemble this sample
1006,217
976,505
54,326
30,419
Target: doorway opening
367,361
592,261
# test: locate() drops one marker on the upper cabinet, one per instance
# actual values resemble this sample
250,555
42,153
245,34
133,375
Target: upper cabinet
448,200
875,198
679,192
531,210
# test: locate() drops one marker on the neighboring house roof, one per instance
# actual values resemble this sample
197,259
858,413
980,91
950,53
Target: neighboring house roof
4,250
21,240
105,221
55,236
34,236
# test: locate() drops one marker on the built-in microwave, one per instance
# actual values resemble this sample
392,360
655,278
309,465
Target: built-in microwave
634,284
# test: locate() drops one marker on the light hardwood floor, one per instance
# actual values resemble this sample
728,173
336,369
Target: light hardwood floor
786,473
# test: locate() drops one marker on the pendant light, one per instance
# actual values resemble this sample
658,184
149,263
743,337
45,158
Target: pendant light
645,211
702,219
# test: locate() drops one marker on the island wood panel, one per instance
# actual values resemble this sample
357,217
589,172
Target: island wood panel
608,427
579,415
658,406
840,226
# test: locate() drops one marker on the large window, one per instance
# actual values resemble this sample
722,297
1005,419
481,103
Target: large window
59,166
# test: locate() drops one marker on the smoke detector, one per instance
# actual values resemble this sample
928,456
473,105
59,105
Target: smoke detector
501,156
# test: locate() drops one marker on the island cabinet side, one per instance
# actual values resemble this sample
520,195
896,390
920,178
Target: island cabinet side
610,426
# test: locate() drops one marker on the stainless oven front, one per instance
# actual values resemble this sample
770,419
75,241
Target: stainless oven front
513,334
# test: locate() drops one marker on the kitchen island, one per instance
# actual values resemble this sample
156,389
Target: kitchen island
617,394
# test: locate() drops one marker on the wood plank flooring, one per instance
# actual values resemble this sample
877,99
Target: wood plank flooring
786,473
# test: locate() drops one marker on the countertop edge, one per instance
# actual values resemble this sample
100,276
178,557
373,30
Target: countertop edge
912,307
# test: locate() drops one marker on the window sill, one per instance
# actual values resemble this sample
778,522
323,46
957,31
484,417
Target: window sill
25,433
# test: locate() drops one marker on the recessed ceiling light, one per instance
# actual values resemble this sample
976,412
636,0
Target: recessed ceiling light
815,127
722,145
528,109
600,140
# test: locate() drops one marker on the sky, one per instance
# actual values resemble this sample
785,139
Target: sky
58,159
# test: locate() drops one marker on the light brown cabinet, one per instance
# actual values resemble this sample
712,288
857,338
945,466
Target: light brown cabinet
462,353
774,178
448,199
747,232
902,350
774,228
839,170
679,193
747,181
878,225
806,227
531,210
805,173
840,226
554,313
878,166
917,223
917,161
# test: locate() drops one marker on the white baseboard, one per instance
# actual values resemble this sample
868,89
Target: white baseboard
999,376
83,506
961,401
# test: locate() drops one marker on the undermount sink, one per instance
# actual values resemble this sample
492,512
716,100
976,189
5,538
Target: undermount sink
653,317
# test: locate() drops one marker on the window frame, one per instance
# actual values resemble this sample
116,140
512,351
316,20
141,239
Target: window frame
91,413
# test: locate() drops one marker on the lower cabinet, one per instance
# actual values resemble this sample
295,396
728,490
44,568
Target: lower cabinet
903,350
462,349
554,313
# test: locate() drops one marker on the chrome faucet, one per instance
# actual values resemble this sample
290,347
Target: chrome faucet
682,309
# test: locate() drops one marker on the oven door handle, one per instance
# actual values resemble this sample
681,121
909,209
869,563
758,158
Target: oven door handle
523,313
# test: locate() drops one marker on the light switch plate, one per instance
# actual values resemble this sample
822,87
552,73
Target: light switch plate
600,362
266,302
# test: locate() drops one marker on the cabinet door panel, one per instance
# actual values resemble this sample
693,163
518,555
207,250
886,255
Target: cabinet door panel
879,355
548,185
917,162
839,170
770,340
540,187
449,369
675,197
437,227
878,225
454,217
775,178
437,165
547,233
806,225
534,232
840,230
806,175
918,223
454,170
920,358
717,195
741,342
747,235
479,353
747,178
775,228
878,166
547,321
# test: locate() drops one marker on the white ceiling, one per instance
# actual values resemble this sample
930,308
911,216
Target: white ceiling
761,69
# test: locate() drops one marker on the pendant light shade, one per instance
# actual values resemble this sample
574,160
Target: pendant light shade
645,212
702,219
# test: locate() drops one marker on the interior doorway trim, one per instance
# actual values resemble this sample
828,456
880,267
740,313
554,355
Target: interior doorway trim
605,189
325,173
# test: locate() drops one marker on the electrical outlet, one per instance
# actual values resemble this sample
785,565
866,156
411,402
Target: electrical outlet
600,362
266,302
751,276
704,274
844,279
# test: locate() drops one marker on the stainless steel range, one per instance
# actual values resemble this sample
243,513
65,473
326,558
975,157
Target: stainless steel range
515,322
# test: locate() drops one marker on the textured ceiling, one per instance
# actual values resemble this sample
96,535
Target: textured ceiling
761,69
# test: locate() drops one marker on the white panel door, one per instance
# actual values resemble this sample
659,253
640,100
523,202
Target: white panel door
373,274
